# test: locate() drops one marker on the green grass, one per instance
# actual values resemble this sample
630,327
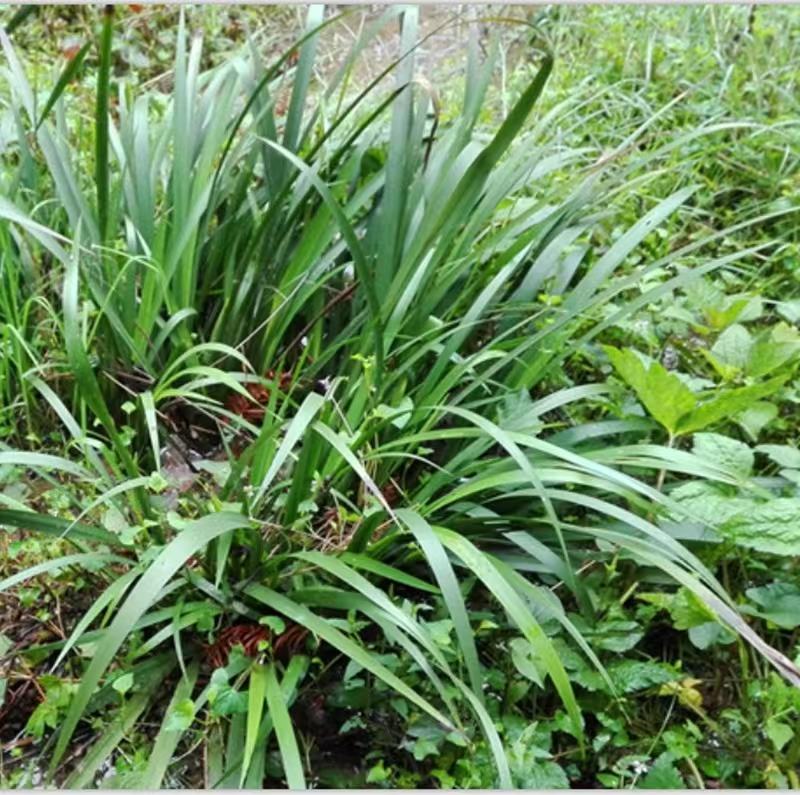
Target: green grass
411,357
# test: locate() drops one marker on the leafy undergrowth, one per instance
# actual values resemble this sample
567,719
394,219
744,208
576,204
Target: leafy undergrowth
357,433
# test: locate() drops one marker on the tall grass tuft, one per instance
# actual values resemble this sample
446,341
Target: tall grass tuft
403,291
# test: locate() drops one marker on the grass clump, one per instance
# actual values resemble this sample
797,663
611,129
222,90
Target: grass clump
343,446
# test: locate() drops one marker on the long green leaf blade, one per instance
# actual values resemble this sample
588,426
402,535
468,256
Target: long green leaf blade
282,723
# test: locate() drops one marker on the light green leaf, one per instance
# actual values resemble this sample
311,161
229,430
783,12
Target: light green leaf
629,676
540,774
772,351
398,415
756,417
709,503
733,346
662,393
179,717
778,602
524,661
687,610
20,458
122,684
706,635
772,526
662,775
784,455
275,623
720,405
778,732
725,452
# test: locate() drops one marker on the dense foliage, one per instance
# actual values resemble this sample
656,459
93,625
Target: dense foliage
361,430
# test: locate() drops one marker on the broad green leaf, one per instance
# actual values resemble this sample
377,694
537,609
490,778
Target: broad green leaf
771,351
708,503
778,602
784,455
662,775
539,774
179,717
720,318
772,527
728,453
732,347
688,612
662,393
629,676
779,733
722,404
756,417
122,684
524,661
